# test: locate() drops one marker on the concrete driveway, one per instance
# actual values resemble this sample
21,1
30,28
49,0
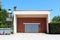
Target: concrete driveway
30,36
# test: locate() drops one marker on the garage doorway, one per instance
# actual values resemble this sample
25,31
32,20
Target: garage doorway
31,27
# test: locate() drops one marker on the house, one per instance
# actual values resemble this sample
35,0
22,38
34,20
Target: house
31,21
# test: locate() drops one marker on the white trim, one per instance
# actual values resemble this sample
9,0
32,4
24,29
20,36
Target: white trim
31,12
31,23
48,21
15,24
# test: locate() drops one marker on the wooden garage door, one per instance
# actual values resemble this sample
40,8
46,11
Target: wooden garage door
42,27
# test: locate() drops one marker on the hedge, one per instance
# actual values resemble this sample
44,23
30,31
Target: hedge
54,28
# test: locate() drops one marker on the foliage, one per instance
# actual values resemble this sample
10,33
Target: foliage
54,28
56,19
3,16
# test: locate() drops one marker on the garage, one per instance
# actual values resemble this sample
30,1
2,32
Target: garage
31,21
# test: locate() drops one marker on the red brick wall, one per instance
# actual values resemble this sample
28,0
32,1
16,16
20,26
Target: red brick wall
42,21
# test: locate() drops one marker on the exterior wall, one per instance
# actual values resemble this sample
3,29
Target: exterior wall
42,21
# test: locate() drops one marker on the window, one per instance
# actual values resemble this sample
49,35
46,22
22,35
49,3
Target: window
31,27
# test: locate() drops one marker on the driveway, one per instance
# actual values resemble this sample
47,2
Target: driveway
30,36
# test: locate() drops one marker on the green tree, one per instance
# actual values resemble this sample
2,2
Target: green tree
3,15
54,26
56,19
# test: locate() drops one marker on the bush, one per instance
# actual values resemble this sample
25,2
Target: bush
54,28
3,26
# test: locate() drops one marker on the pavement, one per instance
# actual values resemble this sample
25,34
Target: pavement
30,36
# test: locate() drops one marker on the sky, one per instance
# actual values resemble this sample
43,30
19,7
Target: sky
53,5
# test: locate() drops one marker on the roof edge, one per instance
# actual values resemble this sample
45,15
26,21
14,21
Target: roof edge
33,10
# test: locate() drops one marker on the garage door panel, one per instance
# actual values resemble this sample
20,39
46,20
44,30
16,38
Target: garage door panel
31,28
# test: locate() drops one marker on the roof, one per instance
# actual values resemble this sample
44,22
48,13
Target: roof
34,10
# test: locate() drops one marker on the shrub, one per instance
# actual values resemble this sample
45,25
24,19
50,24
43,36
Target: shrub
54,28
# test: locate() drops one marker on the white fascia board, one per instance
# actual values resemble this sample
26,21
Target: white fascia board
31,12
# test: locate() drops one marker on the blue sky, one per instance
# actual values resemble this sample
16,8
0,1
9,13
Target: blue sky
34,5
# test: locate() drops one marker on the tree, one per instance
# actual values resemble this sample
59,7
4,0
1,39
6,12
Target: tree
3,15
56,19
54,26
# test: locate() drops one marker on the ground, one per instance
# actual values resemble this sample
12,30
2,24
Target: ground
30,36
